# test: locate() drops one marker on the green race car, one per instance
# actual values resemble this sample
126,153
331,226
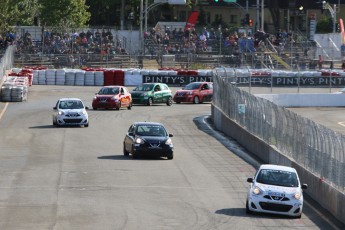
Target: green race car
152,93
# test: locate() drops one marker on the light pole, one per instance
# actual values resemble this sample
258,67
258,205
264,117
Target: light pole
262,14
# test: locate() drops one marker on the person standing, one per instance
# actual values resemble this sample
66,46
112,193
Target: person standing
320,62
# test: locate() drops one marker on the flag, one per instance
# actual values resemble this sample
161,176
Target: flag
192,20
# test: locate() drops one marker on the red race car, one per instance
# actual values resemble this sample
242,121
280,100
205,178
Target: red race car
196,92
112,97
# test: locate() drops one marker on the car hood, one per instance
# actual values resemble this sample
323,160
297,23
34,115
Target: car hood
186,90
278,189
72,111
153,139
106,95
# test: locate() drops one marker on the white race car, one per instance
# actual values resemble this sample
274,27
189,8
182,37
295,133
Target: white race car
70,111
275,189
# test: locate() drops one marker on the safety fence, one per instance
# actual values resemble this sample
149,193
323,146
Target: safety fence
6,62
315,147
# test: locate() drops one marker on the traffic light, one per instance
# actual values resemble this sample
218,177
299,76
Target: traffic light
250,22
337,26
247,19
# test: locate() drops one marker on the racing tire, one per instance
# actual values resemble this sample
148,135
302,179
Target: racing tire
196,100
298,217
125,152
169,101
118,108
247,208
94,108
86,125
171,157
130,106
134,155
149,101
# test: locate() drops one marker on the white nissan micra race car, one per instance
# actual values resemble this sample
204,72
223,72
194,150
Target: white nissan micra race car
275,189
70,111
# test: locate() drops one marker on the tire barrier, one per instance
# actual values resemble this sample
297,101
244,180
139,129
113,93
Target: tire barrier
15,89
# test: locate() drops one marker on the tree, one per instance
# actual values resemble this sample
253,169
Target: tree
64,13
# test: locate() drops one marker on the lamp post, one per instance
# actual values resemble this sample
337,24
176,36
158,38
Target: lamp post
262,14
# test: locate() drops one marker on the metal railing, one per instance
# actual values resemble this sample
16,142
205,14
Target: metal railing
315,147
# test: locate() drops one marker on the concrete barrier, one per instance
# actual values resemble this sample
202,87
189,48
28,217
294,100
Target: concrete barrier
305,100
322,192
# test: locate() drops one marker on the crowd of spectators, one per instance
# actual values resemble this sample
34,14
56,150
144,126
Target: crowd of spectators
54,42
6,40
191,40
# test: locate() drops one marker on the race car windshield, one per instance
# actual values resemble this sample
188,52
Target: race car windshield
144,88
192,86
109,91
151,130
277,177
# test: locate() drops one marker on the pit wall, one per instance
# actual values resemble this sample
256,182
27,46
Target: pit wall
327,196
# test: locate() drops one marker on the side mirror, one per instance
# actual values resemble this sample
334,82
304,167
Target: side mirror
304,186
250,180
170,135
86,107
54,107
131,134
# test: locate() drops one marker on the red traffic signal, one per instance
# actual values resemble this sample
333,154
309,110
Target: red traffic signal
250,22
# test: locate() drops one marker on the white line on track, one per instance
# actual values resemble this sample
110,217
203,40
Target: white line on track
3,111
342,123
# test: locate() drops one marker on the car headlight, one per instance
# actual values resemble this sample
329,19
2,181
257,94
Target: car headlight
256,190
190,93
138,140
61,112
297,195
84,112
94,98
168,142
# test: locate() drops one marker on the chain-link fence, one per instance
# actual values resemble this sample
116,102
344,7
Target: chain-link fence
6,62
315,147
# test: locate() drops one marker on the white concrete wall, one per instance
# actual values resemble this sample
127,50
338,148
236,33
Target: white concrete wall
305,100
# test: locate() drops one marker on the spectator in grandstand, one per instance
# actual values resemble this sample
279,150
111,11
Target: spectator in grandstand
212,34
343,65
331,65
166,39
320,61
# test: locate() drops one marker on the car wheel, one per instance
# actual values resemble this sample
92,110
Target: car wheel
118,108
86,125
125,152
196,100
149,101
298,217
169,101
247,208
134,156
171,157
54,122
130,106
94,108
178,102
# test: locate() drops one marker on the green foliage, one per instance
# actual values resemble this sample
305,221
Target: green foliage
68,13
323,25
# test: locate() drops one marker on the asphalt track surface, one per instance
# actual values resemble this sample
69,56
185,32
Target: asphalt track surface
78,178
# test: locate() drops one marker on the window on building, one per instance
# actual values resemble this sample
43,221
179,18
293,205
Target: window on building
182,16
233,19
